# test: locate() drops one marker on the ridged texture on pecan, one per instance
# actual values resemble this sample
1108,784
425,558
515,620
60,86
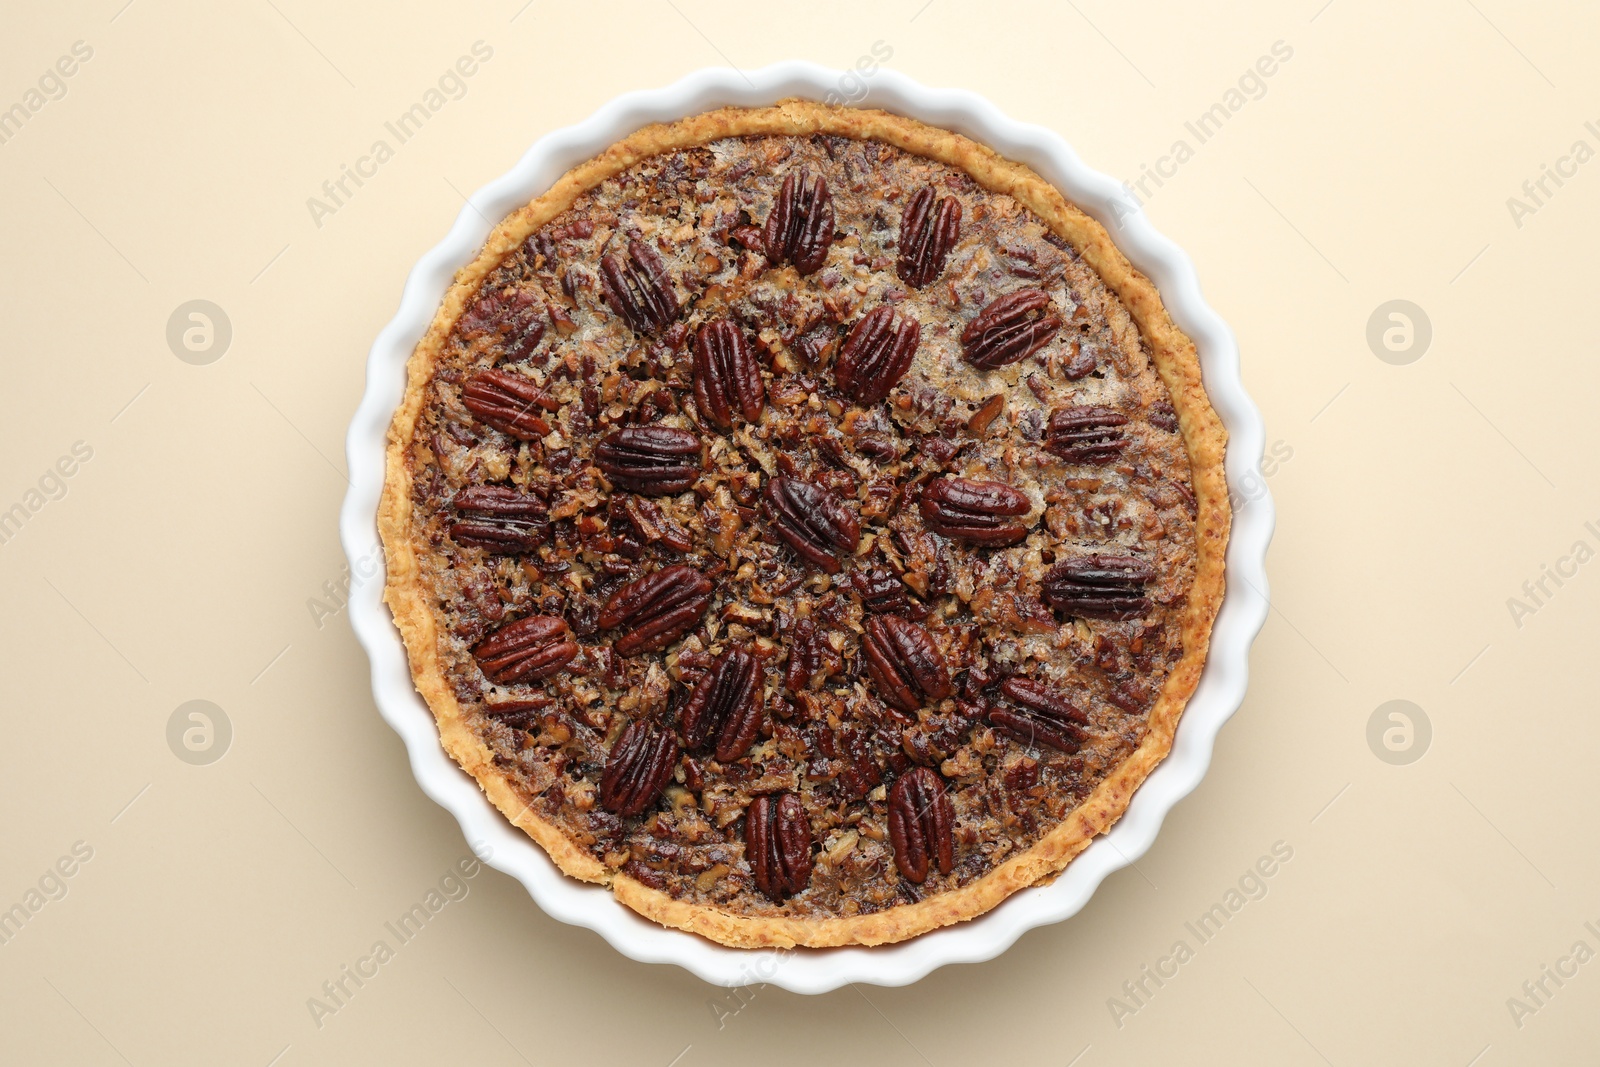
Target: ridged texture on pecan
928,232
1012,327
725,709
513,317
499,519
980,513
1086,434
876,355
881,592
814,522
777,844
526,650
639,289
1042,716
518,714
921,825
652,460
640,765
657,609
800,227
1099,586
905,665
727,378
508,402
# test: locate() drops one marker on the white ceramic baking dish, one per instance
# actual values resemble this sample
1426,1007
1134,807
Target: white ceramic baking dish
507,848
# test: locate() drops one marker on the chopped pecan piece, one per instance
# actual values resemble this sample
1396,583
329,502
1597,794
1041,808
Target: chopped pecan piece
653,460
905,665
800,226
777,844
639,767
518,714
980,513
921,825
1086,434
725,709
1099,586
927,234
499,520
1162,415
657,609
512,316
526,650
508,402
1012,327
814,522
881,592
876,355
1042,716
727,378
639,289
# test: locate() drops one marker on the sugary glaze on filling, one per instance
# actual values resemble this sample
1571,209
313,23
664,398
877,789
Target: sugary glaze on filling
712,581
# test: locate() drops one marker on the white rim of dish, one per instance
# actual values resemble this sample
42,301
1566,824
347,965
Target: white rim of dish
1222,685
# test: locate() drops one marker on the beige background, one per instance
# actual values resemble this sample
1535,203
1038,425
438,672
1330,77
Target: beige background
181,562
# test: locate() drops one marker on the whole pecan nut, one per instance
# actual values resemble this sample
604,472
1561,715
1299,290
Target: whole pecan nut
1041,716
927,234
727,378
905,665
1084,433
814,522
876,355
639,767
639,289
499,519
799,228
981,513
508,402
1012,327
657,609
921,825
1099,586
526,650
777,843
653,460
725,708
881,592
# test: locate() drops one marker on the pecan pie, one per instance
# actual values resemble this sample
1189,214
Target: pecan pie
807,523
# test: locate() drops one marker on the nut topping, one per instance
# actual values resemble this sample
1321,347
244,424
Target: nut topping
800,227
1099,586
725,707
526,650
905,665
499,520
1041,717
814,522
640,765
777,844
980,513
1012,327
727,378
921,825
1086,434
639,289
507,402
927,233
657,609
880,591
876,356
652,460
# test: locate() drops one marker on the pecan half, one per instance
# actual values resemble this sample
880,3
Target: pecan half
653,460
881,592
927,233
814,522
725,708
499,520
981,513
800,226
727,378
777,843
1086,434
1099,586
511,315
639,767
1012,327
526,650
921,825
905,665
876,355
639,289
657,609
508,402
1041,716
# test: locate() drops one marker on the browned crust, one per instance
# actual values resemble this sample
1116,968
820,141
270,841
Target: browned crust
1175,359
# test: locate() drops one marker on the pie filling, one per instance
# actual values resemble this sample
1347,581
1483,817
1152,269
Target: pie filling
807,527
